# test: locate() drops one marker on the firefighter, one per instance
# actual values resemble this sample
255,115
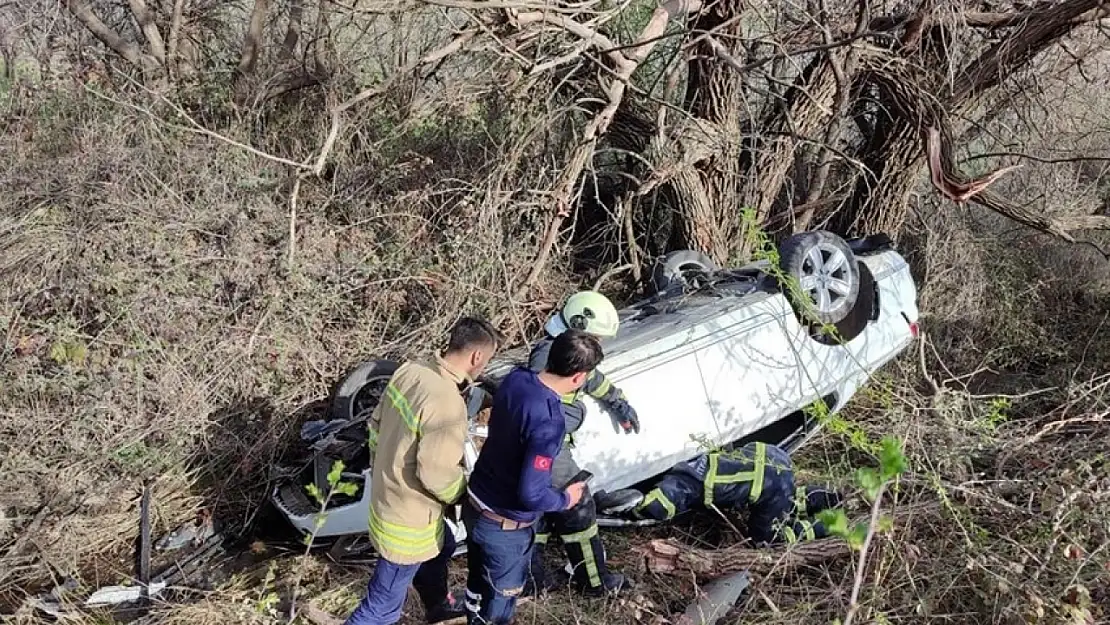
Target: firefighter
593,313
758,475
416,437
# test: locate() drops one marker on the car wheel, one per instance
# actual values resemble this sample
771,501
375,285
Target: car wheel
681,267
359,392
827,271
865,310
353,549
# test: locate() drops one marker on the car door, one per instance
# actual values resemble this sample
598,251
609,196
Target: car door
652,360
748,363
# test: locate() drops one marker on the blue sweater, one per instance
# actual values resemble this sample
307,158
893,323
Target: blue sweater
513,472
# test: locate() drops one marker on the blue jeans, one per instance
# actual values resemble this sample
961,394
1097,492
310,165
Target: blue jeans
497,563
389,585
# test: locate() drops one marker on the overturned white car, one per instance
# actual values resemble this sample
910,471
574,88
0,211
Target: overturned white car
717,357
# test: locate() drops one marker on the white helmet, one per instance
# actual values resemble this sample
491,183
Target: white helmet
589,311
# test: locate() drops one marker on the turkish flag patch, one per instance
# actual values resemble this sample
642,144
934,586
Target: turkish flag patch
541,463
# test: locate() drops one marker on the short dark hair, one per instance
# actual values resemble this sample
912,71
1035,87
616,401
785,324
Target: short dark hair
472,333
573,351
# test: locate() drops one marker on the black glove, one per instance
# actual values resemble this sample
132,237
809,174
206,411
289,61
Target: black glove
626,415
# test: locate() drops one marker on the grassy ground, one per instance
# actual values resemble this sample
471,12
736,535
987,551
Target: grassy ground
160,322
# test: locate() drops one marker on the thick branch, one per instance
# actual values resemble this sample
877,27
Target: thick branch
625,63
150,30
1043,28
844,74
984,19
321,41
176,21
947,180
128,50
253,40
293,30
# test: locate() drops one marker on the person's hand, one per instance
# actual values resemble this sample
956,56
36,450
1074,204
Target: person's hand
575,491
627,417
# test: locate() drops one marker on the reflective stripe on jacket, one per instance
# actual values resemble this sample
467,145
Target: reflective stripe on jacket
735,477
416,442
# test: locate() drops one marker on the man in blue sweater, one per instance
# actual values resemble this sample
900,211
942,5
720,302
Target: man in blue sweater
510,488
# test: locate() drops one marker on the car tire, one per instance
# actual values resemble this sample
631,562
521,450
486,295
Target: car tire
827,270
864,311
675,267
349,398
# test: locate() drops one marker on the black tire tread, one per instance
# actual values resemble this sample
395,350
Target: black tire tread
665,273
343,393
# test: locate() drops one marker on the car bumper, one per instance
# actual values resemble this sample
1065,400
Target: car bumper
350,519
305,516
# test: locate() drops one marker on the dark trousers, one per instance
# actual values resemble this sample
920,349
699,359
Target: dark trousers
389,585
497,563
577,530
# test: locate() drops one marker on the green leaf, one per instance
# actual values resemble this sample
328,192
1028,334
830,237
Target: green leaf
891,459
315,493
886,523
869,480
835,521
336,473
858,535
58,352
346,488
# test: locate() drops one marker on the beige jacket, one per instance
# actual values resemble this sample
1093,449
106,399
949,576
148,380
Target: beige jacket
416,434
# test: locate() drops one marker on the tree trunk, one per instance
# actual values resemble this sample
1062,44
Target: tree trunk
809,109
675,558
892,155
699,228
252,42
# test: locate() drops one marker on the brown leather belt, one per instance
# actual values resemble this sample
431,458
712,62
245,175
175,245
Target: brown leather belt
506,524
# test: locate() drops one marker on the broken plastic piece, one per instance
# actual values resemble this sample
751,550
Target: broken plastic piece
193,533
112,595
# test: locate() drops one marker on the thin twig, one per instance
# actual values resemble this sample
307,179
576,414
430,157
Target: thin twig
457,42
293,221
610,273
861,565
195,127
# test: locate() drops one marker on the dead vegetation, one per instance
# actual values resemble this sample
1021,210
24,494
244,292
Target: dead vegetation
211,210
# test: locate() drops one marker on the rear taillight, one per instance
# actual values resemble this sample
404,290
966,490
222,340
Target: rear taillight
912,324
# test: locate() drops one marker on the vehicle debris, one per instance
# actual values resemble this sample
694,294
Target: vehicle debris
191,534
115,595
715,600
51,602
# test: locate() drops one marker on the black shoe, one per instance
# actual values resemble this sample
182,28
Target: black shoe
820,498
619,501
610,583
450,610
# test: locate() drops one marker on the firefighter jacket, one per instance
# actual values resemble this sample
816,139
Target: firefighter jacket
416,434
597,386
757,476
